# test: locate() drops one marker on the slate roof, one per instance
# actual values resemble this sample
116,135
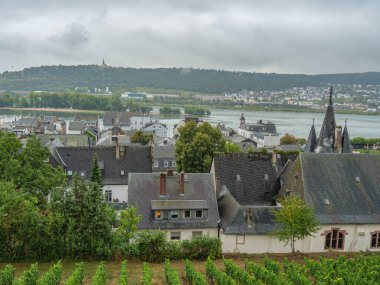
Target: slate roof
327,133
76,126
311,140
234,217
349,183
251,178
27,123
346,144
79,159
66,140
112,118
164,151
145,188
86,118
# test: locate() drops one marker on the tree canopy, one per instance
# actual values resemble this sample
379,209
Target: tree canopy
196,146
141,138
288,139
294,221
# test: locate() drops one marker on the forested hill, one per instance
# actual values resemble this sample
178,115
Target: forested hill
62,78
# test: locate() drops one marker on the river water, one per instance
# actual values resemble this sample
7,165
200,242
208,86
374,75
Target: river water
297,124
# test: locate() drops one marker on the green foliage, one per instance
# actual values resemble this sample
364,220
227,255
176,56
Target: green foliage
202,247
129,219
238,274
288,139
364,141
100,275
96,175
29,276
294,221
198,111
265,275
192,276
146,275
196,146
217,277
301,141
141,138
231,147
7,275
76,278
170,111
173,250
151,245
123,273
171,275
295,273
52,276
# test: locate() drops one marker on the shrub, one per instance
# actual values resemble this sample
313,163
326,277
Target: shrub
202,247
173,250
151,245
29,277
7,275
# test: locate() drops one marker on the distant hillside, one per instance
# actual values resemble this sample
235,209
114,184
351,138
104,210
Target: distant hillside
61,78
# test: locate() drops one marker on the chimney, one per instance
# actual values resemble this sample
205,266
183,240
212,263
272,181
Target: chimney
182,184
338,139
163,184
274,157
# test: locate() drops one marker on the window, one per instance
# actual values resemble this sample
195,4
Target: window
108,195
240,239
196,234
82,173
187,214
175,235
69,172
173,164
334,239
155,163
174,214
199,214
158,215
375,240
166,163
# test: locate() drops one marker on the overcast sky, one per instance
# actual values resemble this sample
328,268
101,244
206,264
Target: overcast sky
263,36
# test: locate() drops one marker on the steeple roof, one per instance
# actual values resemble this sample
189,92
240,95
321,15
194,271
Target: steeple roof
327,134
311,140
346,145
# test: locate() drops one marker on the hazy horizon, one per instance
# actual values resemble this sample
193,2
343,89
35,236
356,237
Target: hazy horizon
287,37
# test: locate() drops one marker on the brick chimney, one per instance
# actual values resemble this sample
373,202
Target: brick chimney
163,184
182,184
117,148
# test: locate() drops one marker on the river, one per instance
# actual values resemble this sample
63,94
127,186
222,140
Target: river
297,124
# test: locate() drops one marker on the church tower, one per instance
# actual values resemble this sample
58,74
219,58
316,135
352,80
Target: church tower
326,138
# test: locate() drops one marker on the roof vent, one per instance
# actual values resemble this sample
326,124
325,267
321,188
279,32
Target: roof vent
266,177
357,179
327,202
237,177
121,172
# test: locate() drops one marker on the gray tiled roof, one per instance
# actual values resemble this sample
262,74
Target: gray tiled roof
234,217
66,140
251,178
144,189
135,159
311,140
165,151
349,183
76,126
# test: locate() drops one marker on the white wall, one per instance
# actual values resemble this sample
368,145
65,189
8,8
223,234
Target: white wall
159,129
118,191
187,233
271,141
358,238
138,122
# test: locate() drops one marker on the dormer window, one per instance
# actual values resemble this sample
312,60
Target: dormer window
82,173
121,172
69,172
158,215
174,214
199,214
187,214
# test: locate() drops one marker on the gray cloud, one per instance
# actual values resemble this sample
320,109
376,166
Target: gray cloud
261,36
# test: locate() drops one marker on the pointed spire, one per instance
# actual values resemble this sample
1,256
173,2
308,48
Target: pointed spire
330,99
311,140
346,144
327,134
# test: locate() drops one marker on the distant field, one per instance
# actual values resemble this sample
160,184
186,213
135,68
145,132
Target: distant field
135,268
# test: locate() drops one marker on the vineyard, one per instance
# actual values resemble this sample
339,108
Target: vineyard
360,269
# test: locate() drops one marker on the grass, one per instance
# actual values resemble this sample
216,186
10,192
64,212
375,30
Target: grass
134,267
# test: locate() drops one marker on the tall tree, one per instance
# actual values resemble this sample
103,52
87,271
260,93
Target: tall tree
288,139
294,221
196,146
96,175
129,219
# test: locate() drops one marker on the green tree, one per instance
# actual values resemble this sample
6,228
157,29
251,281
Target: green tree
232,147
141,138
294,221
196,146
96,175
301,141
129,219
288,139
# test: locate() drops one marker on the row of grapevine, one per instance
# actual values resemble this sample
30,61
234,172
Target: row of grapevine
217,277
265,275
192,276
100,275
295,273
123,273
147,275
52,276
171,275
7,275
239,274
29,276
76,278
